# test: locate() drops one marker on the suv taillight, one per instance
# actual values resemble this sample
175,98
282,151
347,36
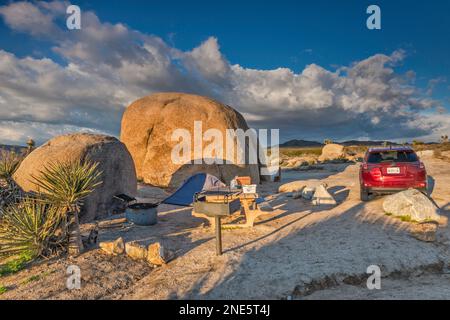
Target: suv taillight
376,172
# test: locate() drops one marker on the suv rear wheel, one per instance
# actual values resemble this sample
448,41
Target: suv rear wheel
364,194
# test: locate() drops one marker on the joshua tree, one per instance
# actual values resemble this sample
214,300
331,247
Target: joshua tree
30,144
444,138
327,141
66,185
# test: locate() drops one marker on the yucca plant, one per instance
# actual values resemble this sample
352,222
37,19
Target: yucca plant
10,192
66,185
26,228
9,162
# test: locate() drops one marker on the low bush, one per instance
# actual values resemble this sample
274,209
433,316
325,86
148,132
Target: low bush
26,228
9,162
41,224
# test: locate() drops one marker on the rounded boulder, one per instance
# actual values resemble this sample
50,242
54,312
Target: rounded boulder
114,161
149,123
332,151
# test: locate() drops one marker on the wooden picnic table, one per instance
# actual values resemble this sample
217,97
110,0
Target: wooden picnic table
249,207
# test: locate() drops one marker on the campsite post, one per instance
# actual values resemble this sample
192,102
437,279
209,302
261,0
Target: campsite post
218,236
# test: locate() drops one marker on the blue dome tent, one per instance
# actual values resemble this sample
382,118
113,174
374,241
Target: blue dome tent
184,195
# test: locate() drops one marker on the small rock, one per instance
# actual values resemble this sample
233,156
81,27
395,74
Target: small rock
158,254
425,231
414,204
292,186
322,197
296,195
308,192
113,247
135,251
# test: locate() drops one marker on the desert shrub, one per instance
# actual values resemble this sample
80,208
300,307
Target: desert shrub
9,162
15,265
3,289
9,190
66,185
27,228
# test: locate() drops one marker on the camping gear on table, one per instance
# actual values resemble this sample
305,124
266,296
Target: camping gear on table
249,188
234,183
184,195
245,180
217,204
141,214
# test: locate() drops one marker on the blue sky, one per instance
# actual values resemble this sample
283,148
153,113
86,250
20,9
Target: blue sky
264,36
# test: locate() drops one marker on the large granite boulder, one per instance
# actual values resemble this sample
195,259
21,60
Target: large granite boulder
147,128
115,162
332,151
413,204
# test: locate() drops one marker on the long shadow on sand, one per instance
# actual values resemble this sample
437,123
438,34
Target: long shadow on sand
339,244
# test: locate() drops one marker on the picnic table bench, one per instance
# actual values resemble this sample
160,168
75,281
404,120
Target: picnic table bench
249,206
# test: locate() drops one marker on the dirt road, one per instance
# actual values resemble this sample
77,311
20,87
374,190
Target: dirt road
298,251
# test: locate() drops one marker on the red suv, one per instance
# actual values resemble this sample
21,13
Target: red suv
389,170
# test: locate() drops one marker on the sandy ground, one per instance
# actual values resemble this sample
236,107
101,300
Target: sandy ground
298,251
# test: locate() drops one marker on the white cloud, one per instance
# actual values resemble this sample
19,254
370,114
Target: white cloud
13,131
110,65
36,19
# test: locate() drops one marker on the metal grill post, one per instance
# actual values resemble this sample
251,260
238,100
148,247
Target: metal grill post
218,236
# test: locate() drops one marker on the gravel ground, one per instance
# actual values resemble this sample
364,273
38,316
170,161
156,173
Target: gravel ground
298,251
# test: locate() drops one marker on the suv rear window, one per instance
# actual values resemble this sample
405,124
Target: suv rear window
388,156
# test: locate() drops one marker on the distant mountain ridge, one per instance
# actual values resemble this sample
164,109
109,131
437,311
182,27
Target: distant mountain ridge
300,143
12,148
367,143
307,143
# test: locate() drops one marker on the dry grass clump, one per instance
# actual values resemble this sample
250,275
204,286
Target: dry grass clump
9,162
10,192
40,224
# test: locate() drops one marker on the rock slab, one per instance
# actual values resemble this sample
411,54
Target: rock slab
412,203
322,197
158,254
135,251
114,248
